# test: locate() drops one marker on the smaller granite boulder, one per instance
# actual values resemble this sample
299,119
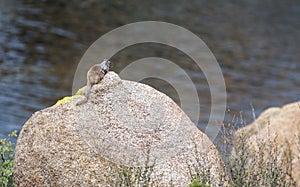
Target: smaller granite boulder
279,127
127,131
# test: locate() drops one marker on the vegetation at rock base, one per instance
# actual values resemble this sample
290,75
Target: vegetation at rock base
131,176
7,160
259,162
266,166
197,183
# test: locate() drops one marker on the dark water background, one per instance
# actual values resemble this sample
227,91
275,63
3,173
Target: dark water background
257,44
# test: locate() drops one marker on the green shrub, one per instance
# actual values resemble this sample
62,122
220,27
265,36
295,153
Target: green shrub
197,183
7,160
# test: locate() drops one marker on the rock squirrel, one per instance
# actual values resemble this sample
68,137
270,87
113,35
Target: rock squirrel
94,76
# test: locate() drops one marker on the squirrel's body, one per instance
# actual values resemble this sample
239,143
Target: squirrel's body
94,76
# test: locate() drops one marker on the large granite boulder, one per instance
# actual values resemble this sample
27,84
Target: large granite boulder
126,134
279,128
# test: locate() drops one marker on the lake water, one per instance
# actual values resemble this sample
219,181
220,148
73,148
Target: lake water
256,44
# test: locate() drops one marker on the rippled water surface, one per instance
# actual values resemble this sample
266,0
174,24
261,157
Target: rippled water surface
256,44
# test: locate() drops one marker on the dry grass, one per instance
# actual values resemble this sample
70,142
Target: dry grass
258,163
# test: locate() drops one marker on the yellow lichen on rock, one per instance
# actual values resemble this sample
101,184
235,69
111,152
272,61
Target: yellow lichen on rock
79,92
64,100
69,98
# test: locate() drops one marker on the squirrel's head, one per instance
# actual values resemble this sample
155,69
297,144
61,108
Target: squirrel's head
105,65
